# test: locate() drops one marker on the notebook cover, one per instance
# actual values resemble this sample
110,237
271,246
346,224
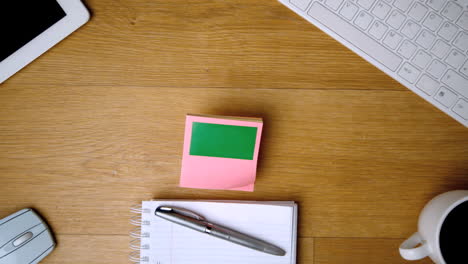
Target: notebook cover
220,152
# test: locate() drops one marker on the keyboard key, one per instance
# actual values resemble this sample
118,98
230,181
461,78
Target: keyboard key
402,4
366,44
446,97
301,4
417,11
410,29
455,59
378,29
436,69
366,3
409,72
349,10
422,59
464,69
463,21
448,31
461,108
452,11
407,49
396,19
432,21
363,20
418,49
461,41
381,10
333,4
440,49
457,82
427,85
436,4
392,39
425,39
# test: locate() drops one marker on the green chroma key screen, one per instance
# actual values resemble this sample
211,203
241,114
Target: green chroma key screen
223,141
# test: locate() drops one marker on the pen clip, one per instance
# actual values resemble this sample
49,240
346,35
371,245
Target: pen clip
181,211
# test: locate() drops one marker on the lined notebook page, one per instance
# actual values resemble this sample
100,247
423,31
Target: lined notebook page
174,244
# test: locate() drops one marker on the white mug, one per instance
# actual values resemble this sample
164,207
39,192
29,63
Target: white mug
430,222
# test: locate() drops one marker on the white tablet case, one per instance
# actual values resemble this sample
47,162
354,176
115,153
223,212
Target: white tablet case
76,16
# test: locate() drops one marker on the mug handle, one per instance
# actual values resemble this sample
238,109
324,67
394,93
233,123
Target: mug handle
408,250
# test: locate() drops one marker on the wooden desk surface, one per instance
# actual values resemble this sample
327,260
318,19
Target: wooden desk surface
96,125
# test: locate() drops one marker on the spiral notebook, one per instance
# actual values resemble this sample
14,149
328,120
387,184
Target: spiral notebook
158,241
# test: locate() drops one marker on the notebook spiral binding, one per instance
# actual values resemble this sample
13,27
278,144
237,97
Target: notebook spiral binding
135,244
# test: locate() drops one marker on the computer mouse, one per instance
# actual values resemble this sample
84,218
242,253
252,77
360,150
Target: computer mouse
24,238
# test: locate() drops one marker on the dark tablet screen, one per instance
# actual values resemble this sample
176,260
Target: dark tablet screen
23,20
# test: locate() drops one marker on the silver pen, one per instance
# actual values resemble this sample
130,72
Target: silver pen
196,222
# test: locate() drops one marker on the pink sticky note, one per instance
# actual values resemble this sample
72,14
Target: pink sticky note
206,172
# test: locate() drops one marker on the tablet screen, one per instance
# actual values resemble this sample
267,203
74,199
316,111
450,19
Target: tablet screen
23,20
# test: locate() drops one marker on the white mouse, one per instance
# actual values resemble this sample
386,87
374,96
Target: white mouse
24,238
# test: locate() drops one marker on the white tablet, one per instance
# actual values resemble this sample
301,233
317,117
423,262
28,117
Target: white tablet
29,28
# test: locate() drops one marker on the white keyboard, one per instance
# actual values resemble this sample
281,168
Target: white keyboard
423,44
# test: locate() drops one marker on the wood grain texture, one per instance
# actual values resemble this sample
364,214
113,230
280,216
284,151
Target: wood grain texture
305,251
201,43
359,250
95,249
96,125
360,163
90,249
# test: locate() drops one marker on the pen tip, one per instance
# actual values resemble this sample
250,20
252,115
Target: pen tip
275,251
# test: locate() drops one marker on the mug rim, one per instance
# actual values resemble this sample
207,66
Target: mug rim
442,220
